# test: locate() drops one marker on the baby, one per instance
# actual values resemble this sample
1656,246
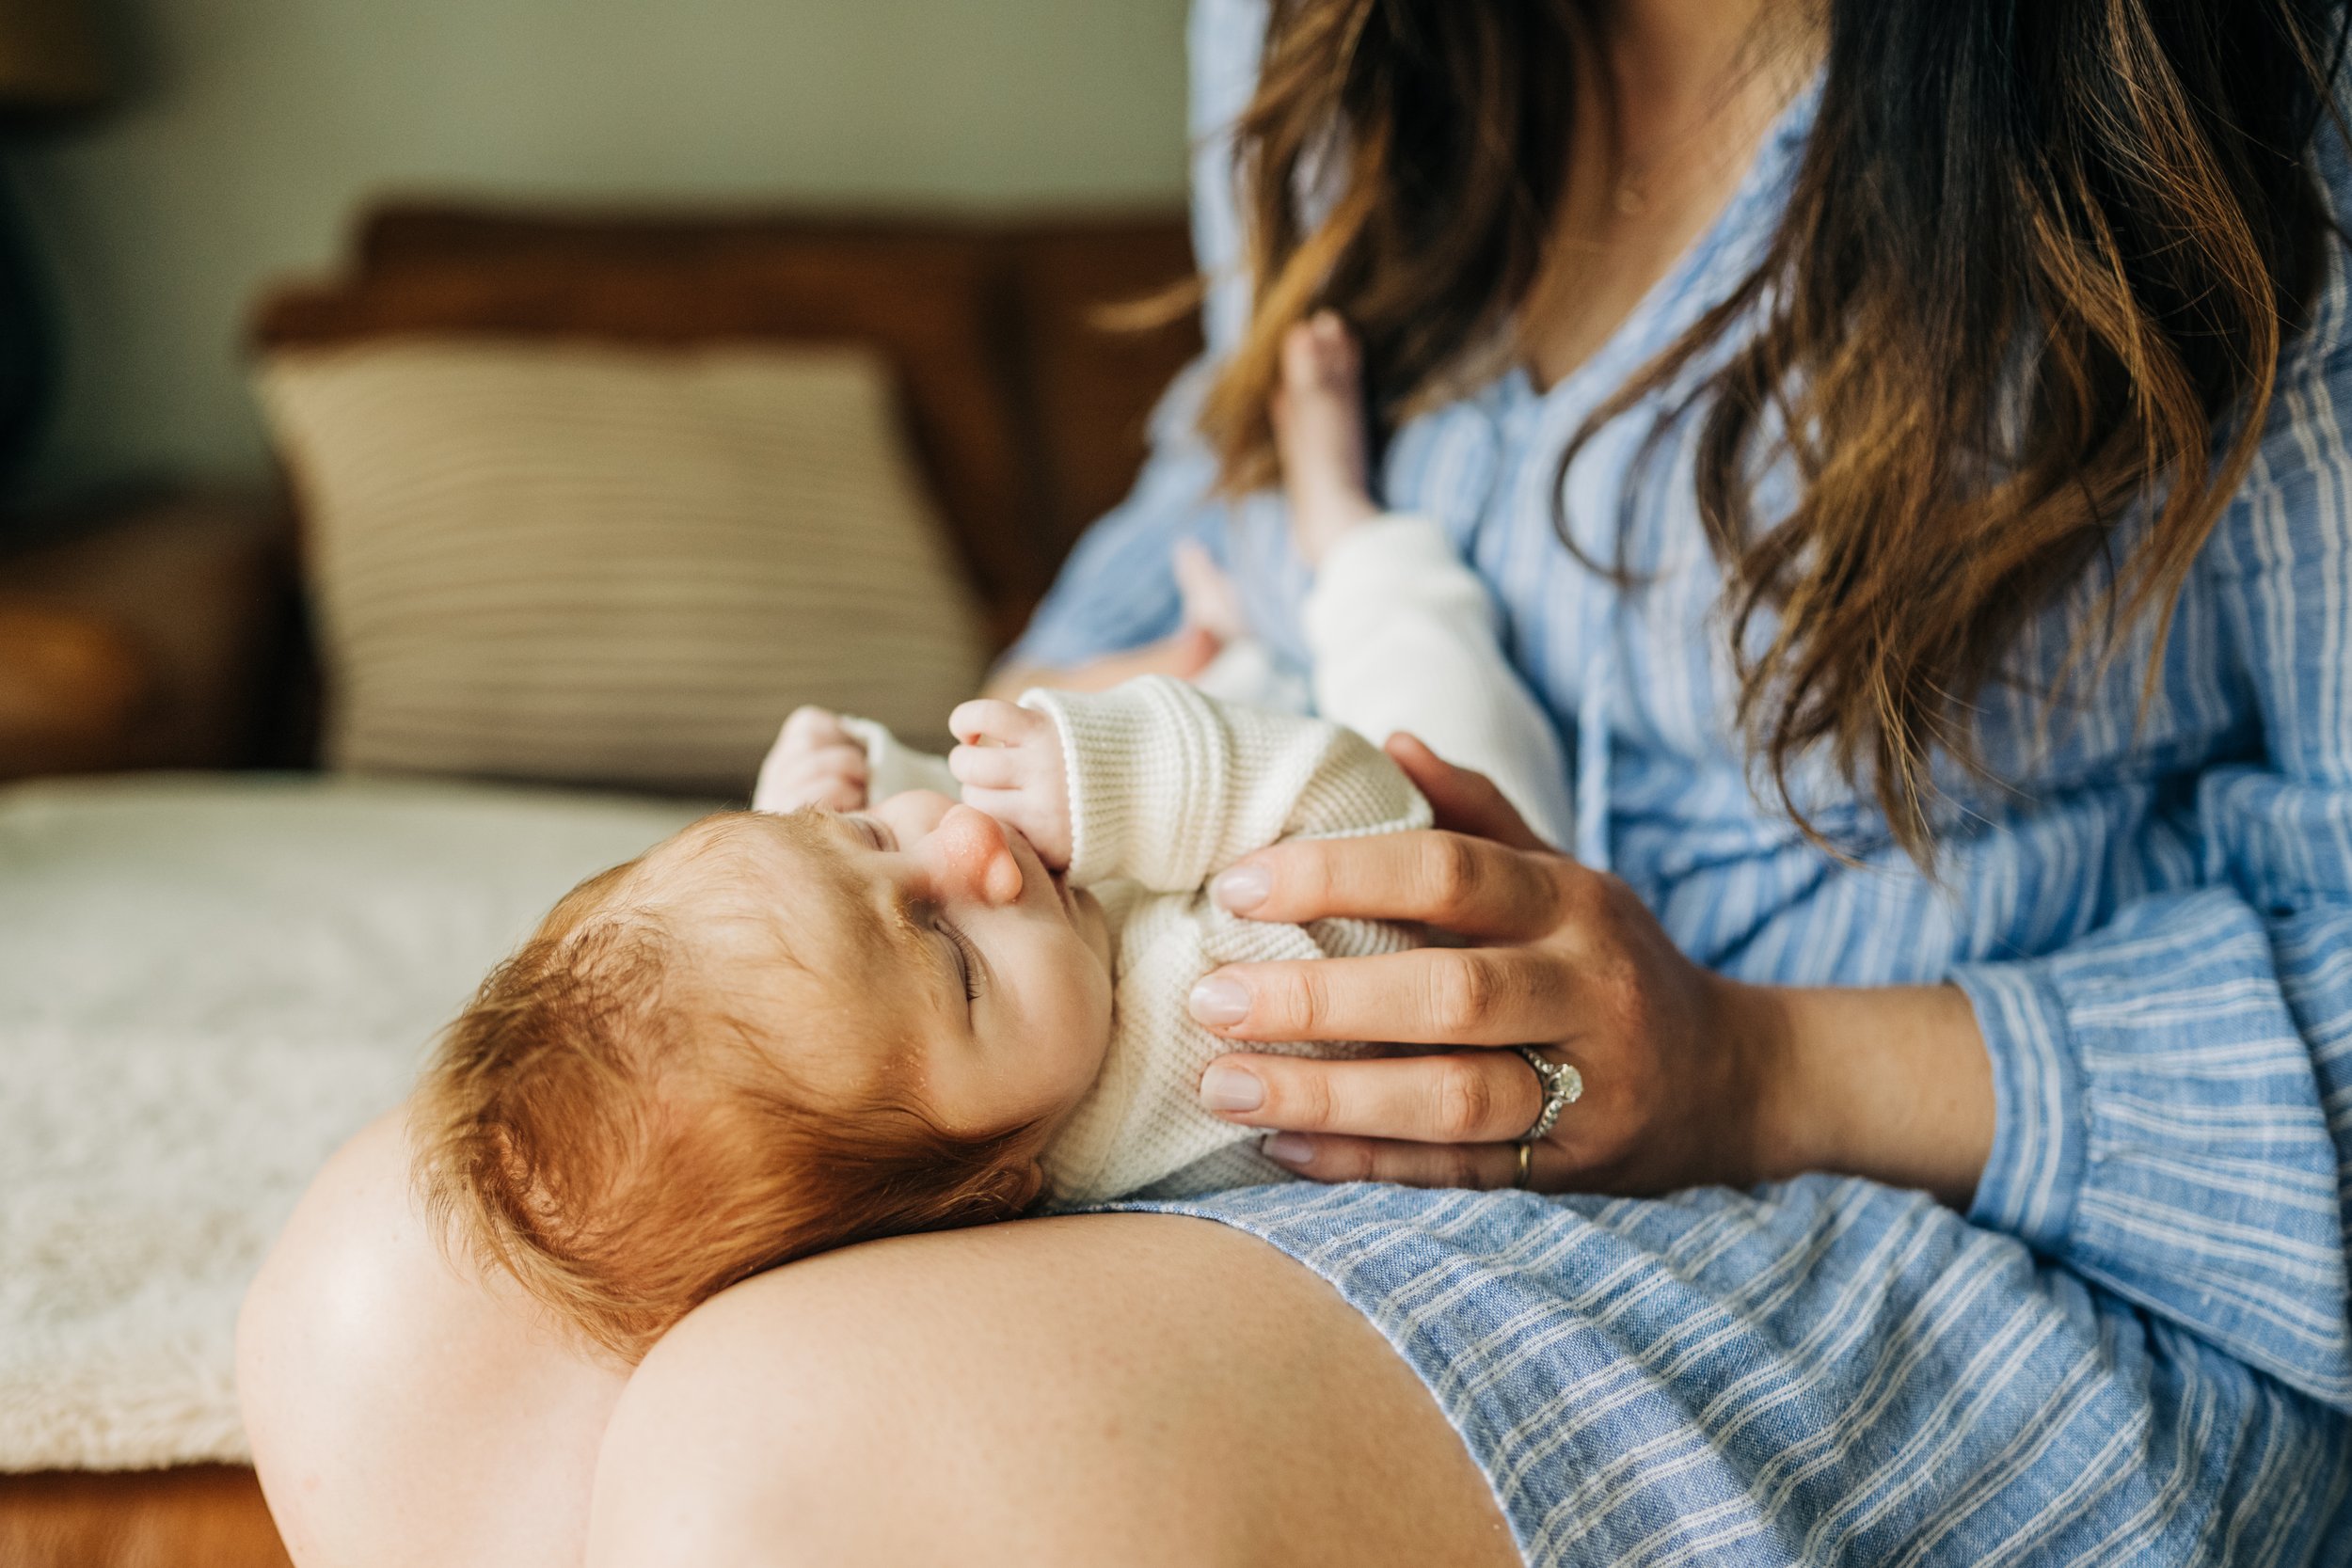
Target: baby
791,1029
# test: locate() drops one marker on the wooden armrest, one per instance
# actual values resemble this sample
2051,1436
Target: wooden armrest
147,640
68,682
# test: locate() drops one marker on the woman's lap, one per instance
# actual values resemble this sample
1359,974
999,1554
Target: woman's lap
403,1411
1102,1387
1830,1371
1095,1388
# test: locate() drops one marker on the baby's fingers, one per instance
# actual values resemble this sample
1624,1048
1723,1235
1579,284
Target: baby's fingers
988,766
809,728
842,795
831,774
1005,805
994,722
846,760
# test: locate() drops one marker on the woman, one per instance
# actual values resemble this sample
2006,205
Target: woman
1951,606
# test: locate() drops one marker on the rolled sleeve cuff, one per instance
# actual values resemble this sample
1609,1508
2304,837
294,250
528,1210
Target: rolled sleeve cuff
1142,766
2041,1138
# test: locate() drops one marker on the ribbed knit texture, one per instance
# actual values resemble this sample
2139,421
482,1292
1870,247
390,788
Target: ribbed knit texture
1168,787
1401,635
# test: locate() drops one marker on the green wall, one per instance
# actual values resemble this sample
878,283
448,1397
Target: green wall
251,129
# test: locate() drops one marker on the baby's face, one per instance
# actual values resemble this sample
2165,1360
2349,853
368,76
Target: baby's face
977,984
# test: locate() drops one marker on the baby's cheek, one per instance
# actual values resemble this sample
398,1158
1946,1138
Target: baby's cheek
1094,928
1085,1030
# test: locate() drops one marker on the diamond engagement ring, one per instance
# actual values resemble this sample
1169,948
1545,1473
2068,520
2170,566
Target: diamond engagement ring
1562,1087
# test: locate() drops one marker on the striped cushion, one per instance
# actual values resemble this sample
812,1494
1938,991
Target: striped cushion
612,565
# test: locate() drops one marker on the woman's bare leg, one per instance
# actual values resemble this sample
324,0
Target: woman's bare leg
404,1412
1127,1388
1124,1389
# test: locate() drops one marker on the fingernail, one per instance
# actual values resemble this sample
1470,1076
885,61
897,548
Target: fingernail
1288,1149
1245,887
1220,1002
1230,1088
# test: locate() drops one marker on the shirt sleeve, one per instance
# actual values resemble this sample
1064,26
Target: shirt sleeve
1169,786
2175,1091
1118,589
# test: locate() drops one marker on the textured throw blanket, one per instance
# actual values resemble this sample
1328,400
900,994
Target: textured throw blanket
205,986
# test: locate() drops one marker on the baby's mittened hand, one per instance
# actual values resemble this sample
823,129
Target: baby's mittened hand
1010,766
815,762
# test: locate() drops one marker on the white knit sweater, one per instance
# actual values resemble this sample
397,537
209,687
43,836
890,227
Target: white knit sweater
1168,787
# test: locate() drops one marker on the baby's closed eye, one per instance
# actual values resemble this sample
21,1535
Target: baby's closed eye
969,966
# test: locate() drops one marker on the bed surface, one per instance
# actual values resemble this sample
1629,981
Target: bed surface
205,985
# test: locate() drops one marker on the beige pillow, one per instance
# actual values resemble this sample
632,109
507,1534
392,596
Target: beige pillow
609,565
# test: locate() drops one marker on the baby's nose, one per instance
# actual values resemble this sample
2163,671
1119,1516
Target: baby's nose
977,860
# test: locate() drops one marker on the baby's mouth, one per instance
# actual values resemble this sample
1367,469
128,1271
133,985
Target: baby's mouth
1058,880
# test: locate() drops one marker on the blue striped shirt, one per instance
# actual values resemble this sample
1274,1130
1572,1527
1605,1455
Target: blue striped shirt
2145,1317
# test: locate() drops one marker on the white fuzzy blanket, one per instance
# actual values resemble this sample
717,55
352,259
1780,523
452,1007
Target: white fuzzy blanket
205,986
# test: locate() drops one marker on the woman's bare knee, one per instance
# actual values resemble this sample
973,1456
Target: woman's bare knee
401,1409
1127,1388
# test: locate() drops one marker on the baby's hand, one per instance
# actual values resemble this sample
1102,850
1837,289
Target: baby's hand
815,762
1010,766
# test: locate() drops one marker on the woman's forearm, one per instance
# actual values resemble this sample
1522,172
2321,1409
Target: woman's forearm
1888,1083
1008,681
1182,655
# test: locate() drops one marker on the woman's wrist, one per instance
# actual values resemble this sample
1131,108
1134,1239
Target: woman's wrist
1888,1083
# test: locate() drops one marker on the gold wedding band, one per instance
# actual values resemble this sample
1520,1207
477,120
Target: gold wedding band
1527,1166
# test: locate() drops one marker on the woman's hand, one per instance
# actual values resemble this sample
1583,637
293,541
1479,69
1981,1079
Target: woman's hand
1689,1078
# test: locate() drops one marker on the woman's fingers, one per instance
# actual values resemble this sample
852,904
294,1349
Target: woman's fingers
1409,1165
1468,885
1467,1097
1464,801
1430,996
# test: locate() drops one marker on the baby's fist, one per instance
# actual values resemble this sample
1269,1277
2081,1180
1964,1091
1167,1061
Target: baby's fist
1010,767
815,762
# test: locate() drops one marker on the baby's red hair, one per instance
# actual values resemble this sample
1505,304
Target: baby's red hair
592,1127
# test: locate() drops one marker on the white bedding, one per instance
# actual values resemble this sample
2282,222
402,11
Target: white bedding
205,985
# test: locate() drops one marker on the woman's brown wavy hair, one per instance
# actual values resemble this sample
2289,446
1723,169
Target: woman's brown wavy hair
2037,254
